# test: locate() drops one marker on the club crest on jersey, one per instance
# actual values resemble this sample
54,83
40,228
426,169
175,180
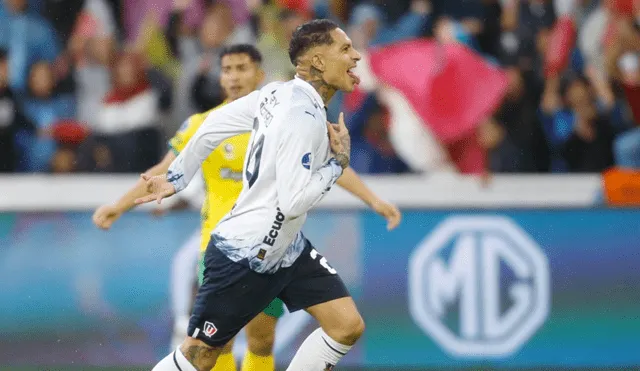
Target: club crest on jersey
209,329
306,161
328,366
228,151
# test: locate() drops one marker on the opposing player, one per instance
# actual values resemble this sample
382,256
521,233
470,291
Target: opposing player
257,252
260,331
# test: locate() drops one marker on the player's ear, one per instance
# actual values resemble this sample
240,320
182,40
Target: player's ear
317,62
260,77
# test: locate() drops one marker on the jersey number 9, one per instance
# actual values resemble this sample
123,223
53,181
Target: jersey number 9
254,156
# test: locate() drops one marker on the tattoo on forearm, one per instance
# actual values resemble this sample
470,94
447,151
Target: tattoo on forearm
343,159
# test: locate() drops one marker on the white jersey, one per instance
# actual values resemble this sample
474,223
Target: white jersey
288,169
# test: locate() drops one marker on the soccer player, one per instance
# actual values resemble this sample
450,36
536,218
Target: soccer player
260,331
257,252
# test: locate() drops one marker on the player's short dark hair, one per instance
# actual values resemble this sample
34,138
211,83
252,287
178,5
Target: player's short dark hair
3,54
248,49
309,35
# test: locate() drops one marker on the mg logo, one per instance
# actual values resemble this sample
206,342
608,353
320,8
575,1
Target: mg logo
479,285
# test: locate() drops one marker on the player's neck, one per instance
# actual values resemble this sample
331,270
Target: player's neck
314,78
325,91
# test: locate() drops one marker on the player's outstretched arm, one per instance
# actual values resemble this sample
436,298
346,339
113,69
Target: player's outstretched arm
234,118
106,215
353,184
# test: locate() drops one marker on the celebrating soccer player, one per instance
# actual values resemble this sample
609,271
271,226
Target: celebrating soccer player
223,174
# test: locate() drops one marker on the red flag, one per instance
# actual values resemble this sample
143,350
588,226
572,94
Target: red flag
449,86
563,37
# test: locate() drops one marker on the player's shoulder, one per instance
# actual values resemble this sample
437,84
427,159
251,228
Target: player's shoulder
288,93
289,103
294,98
302,119
276,88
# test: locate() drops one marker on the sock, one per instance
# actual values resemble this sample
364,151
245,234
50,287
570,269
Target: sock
174,362
225,362
254,362
319,352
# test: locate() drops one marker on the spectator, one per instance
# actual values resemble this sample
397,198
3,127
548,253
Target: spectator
523,148
62,15
159,70
526,28
573,130
217,29
64,161
623,64
489,37
580,138
468,14
372,152
12,120
43,106
28,38
189,13
93,77
199,79
589,147
277,30
94,155
127,121
368,25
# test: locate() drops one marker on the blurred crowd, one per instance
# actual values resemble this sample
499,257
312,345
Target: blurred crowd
100,85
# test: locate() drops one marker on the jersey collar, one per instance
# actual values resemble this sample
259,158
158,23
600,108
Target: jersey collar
306,86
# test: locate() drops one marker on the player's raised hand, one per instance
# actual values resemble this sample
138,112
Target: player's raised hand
105,216
388,211
158,188
340,141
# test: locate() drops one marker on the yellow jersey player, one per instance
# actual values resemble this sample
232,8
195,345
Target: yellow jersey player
241,73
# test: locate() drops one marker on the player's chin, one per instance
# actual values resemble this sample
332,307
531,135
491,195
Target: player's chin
349,85
236,96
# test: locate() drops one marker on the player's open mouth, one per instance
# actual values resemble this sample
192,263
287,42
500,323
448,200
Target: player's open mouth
356,78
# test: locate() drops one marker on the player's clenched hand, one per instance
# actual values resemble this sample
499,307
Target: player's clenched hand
340,141
158,188
105,216
388,211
